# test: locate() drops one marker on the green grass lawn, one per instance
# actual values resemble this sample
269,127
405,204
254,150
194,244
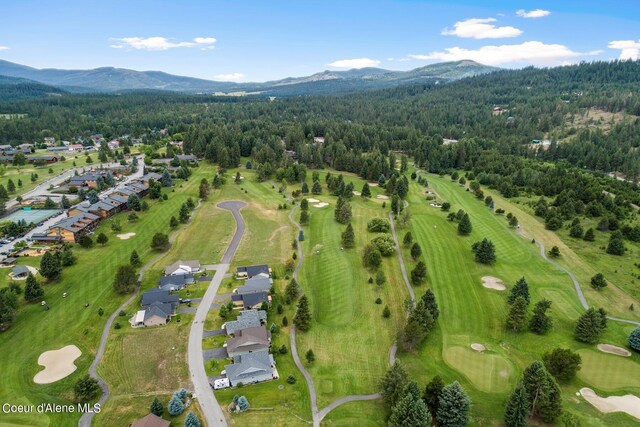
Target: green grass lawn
471,313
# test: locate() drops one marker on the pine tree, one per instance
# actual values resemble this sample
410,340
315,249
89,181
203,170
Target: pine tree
634,339
589,326
562,363
302,319
304,204
157,408
50,266
125,280
393,383
485,251
464,226
32,290
191,420
310,356
430,302
183,215
454,406
134,259
540,323
598,281
410,411
432,393
416,251
615,246
517,410
304,217
166,179
305,188
366,191
419,273
292,290
133,202
517,316
173,222
175,407
412,335
11,187
316,188
521,289
576,231
542,391
408,239
348,237
343,211
102,239
589,235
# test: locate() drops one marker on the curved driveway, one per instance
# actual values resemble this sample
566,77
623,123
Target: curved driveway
211,410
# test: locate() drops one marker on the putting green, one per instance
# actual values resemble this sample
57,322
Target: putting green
608,371
488,372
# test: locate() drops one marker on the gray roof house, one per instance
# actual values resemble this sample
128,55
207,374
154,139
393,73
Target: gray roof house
246,319
175,283
249,340
251,368
252,299
19,271
155,314
261,282
161,296
252,270
182,267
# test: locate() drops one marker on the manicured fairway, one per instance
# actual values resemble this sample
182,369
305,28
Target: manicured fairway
488,372
608,372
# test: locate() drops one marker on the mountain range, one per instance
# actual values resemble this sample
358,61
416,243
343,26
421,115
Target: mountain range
109,79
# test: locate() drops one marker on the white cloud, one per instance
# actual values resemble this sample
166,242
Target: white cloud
536,13
354,63
231,77
481,28
161,43
532,52
4,48
629,49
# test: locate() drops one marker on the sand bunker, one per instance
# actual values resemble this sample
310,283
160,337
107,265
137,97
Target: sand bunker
58,364
313,200
382,197
491,282
357,193
478,347
612,349
435,205
125,236
320,205
628,403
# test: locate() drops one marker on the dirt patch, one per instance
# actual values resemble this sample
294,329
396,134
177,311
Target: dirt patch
125,236
382,197
504,374
58,364
491,282
276,231
478,347
320,205
613,349
628,403
313,200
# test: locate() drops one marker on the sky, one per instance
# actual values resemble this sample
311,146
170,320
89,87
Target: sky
273,39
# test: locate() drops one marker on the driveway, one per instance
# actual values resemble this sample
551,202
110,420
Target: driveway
215,353
207,334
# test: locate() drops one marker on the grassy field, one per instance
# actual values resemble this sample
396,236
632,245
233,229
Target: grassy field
68,322
471,313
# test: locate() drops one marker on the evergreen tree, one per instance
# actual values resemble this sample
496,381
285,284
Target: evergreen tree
92,196
32,290
134,259
598,281
576,231
517,316
521,289
554,252
485,251
292,290
173,222
305,188
175,407
184,214
543,392
517,410
50,266
157,408
408,239
589,326
86,242
304,204
429,299
454,406
348,237
316,188
419,273
65,203
416,251
540,323
366,191
410,411
191,420
125,280
310,356
343,211
102,239
304,217
86,389
412,335
634,339
386,312
432,393
464,226
302,319
67,258
393,383
133,202
589,235
166,179
562,363
11,187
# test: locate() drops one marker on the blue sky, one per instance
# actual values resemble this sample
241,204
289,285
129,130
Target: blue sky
265,40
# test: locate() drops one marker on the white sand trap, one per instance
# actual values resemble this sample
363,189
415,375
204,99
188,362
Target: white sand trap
373,184
435,205
357,193
613,349
58,364
313,200
382,197
125,236
478,347
491,282
628,403
320,205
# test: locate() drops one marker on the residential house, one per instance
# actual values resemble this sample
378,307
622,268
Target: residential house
8,262
246,319
69,229
150,420
161,296
253,270
102,209
6,147
144,179
249,340
49,141
19,272
46,158
251,368
26,146
57,149
182,267
189,158
318,139
76,147
155,314
254,292
175,283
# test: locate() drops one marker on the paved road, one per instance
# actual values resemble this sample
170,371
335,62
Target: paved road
402,267
211,410
576,284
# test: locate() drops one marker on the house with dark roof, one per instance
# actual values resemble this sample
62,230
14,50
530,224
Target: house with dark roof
150,420
251,368
175,283
252,270
246,319
249,340
189,158
155,314
161,296
151,175
19,272
70,229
